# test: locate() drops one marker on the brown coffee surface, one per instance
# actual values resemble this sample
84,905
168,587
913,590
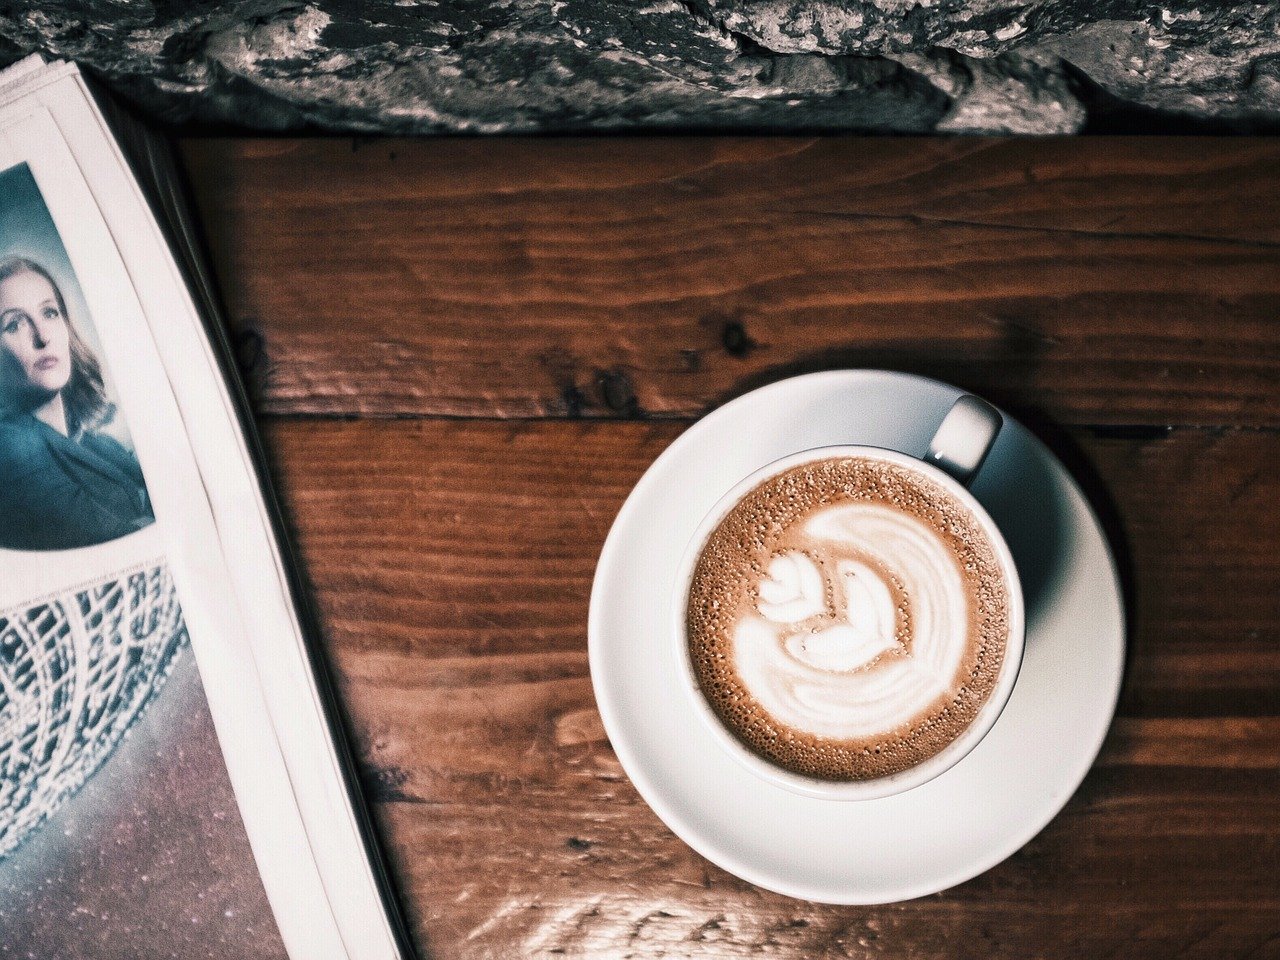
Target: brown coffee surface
774,520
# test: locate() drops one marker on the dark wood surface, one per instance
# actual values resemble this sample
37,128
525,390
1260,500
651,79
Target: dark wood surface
465,353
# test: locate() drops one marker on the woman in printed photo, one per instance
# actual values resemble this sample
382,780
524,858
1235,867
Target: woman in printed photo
63,482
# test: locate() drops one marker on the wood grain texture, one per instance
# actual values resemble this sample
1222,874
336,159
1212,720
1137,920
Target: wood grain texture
1088,281
576,303
452,561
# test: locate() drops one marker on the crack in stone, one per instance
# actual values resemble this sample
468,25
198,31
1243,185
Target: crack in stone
492,66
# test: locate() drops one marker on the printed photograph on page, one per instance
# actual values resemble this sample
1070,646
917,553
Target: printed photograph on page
119,830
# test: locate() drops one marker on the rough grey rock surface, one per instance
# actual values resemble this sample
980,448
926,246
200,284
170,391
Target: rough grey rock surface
516,66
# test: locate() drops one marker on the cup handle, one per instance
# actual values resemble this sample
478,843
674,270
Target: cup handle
965,437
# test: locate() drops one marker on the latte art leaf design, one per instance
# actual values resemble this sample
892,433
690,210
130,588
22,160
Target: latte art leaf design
794,591
826,649
852,631
848,618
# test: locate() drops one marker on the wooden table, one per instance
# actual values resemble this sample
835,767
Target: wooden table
465,352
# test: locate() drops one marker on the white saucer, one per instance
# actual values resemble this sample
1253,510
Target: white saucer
939,834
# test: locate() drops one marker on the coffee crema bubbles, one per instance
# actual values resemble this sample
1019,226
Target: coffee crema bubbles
848,618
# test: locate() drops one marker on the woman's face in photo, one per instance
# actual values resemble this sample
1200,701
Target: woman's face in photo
34,337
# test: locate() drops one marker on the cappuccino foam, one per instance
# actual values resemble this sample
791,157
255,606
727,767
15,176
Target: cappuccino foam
848,618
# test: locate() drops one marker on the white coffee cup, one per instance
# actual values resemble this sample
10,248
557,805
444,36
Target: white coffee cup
953,459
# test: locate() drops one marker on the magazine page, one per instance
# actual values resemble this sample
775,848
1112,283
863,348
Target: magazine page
152,479
119,830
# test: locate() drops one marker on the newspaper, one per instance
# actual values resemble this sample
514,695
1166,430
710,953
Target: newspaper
172,778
